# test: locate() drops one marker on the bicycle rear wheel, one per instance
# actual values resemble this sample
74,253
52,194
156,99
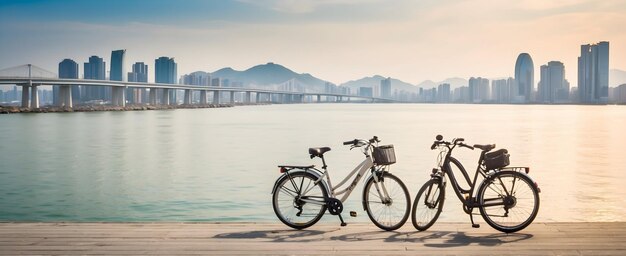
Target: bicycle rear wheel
428,204
387,202
514,198
298,201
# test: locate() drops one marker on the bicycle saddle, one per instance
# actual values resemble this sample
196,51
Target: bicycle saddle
486,148
318,151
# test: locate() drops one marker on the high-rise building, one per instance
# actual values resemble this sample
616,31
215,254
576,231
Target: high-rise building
525,78
165,72
593,73
478,89
443,93
366,92
197,78
117,70
67,69
94,69
461,94
385,88
139,74
502,90
553,87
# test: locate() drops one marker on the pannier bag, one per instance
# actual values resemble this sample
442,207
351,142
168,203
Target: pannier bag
384,155
496,159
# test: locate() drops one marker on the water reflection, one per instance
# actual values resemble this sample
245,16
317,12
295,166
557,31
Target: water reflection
220,164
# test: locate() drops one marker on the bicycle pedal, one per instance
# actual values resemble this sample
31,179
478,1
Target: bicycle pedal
476,225
352,214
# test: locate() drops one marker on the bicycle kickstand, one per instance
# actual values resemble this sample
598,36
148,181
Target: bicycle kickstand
474,225
343,224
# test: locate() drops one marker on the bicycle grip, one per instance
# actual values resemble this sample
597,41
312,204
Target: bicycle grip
350,142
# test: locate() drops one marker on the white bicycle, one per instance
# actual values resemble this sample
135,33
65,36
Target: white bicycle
302,194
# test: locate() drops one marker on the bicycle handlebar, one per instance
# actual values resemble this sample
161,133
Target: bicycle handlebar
355,142
457,141
350,142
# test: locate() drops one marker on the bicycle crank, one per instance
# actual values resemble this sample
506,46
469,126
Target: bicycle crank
335,207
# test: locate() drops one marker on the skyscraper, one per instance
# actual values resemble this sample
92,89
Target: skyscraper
94,69
501,90
139,74
478,89
117,65
165,73
593,73
385,88
443,93
525,78
552,85
165,70
67,69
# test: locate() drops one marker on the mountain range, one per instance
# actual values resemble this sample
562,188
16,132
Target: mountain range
271,74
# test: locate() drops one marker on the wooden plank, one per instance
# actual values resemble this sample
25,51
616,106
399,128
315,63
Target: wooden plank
322,239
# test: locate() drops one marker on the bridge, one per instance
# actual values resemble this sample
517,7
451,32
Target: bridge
30,77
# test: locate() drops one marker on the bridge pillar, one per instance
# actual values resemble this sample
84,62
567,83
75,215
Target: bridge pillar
248,97
216,97
153,96
65,96
203,99
34,99
232,97
25,96
114,95
319,98
258,97
121,96
165,99
187,100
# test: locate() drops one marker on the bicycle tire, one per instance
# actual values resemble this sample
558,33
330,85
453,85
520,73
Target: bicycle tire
285,192
399,195
530,203
425,213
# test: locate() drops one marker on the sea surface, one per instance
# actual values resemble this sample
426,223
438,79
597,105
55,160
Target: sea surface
220,164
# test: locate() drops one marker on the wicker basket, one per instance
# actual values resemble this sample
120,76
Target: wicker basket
384,155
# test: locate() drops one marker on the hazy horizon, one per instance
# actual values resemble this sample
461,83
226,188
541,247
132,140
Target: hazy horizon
334,40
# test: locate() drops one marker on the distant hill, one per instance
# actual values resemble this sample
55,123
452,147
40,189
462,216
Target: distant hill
616,77
455,82
374,81
269,74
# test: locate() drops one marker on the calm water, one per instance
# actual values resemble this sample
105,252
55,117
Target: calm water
220,164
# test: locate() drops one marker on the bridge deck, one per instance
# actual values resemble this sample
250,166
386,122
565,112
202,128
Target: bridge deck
323,239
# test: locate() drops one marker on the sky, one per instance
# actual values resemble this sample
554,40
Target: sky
335,40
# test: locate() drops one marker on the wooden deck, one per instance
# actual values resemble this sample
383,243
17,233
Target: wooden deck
321,239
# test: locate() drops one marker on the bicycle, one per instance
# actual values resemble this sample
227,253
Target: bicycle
508,199
302,194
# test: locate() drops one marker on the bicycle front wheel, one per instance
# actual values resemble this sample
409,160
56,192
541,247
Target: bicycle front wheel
298,201
387,202
428,204
510,201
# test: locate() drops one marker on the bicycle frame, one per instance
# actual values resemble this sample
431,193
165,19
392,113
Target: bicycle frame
458,190
359,171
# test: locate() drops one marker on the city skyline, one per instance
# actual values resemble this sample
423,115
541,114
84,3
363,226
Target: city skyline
430,40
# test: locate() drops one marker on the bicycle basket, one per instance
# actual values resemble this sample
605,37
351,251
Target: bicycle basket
496,159
384,155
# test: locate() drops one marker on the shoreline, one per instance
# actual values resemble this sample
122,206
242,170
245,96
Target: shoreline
98,108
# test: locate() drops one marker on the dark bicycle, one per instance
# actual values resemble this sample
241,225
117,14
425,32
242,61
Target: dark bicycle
508,199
